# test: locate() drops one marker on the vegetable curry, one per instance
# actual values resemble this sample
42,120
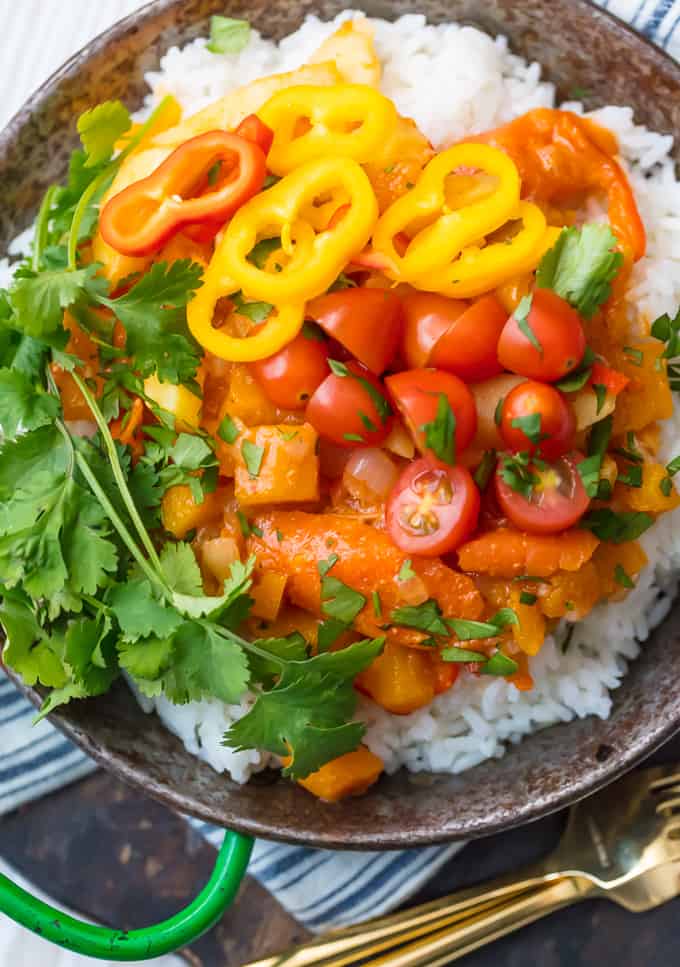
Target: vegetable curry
297,408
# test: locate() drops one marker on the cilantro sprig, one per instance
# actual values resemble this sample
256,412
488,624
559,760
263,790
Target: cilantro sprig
581,266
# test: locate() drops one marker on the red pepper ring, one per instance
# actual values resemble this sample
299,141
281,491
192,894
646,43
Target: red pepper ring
141,218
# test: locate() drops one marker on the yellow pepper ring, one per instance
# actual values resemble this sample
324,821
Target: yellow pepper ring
447,232
478,269
317,259
346,120
278,330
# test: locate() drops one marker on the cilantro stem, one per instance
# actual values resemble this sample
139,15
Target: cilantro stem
41,228
100,181
123,532
118,474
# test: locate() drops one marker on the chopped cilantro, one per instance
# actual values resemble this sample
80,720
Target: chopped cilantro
622,578
340,601
353,437
633,355
227,430
517,474
632,476
666,486
667,330
526,597
377,606
600,391
260,253
522,319
310,330
440,433
498,412
673,467
501,665
530,425
483,473
406,571
279,536
616,527
324,567
383,408
252,457
228,36
255,311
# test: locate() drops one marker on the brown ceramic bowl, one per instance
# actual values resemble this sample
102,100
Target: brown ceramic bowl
579,46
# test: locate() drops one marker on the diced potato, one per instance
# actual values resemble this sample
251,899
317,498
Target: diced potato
348,775
217,556
400,680
267,594
585,406
184,405
247,401
180,512
289,469
352,51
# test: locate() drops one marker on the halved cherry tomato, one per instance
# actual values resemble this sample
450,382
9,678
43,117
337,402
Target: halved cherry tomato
613,381
555,327
535,417
556,502
291,376
432,508
469,347
427,317
252,129
417,394
347,409
367,322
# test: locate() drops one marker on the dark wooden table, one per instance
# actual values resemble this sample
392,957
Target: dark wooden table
122,859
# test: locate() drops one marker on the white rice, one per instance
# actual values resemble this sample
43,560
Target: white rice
454,81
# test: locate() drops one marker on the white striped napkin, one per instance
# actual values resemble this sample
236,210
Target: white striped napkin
321,888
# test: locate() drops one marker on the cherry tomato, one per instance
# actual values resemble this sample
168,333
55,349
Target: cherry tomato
426,318
417,393
556,502
432,508
556,328
367,322
469,347
537,418
291,376
350,409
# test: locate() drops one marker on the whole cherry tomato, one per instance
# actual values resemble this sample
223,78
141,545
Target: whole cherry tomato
432,508
547,342
557,499
291,376
536,418
350,408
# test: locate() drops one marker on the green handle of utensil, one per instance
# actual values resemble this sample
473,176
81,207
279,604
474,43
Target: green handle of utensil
163,938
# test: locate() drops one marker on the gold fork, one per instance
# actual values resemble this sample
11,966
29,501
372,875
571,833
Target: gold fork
622,843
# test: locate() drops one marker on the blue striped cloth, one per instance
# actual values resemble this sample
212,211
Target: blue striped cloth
321,888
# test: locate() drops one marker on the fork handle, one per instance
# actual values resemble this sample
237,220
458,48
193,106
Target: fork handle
353,944
482,927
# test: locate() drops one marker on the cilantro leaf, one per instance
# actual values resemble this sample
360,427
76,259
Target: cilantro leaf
140,613
383,408
253,456
340,601
484,471
616,527
329,632
440,433
306,714
291,648
23,406
255,311
31,652
181,569
153,313
667,330
227,35
425,617
581,266
622,578
261,252
100,128
227,430
500,664
39,299
406,571
530,425
467,630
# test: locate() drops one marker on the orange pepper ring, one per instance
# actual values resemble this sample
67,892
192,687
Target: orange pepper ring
142,217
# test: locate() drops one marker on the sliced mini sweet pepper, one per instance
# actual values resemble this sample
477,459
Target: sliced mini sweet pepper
204,180
281,326
465,194
313,260
438,230
346,120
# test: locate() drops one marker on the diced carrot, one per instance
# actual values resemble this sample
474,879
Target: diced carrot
288,621
293,542
647,397
400,680
288,469
125,428
247,401
572,592
508,553
348,775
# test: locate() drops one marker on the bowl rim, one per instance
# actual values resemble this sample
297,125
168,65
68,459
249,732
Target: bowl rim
523,812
